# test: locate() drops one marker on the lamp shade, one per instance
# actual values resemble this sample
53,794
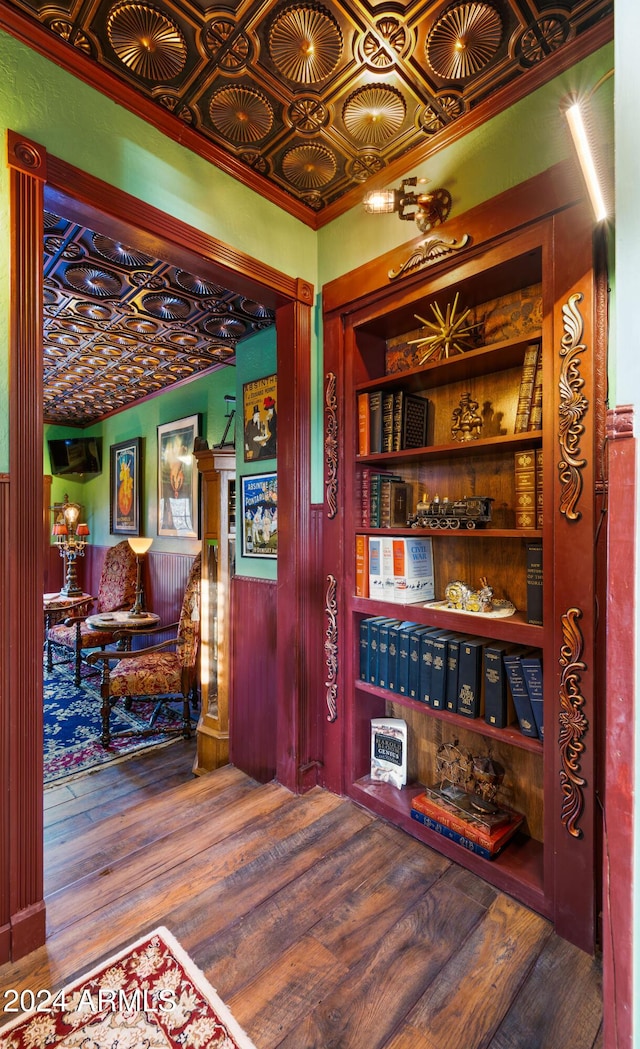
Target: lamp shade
82,529
59,528
380,202
139,544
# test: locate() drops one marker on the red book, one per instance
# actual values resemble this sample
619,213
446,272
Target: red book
363,424
463,823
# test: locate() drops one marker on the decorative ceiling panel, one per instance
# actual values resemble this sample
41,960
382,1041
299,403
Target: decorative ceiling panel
317,97
119,325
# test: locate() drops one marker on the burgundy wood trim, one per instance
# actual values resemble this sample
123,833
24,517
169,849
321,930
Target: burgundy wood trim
553,190
310,768
619,756
295,563
5,605
28,166
56,50
167,237
253,741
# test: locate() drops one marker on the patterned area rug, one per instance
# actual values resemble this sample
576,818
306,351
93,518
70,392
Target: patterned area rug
151,994
72,726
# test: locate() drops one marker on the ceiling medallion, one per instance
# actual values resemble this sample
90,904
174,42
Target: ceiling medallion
364,166
167,307
309,167
229,328
464,40
117,252
196,285
305,43
256,309
92,281
373,114
444,109
241,114
141,326
226,45
93,311
307,115
146,41
380,50
541,38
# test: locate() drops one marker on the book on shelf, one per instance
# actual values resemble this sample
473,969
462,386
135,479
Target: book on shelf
525,392
490,831
389,751
406,631
415,421
539,489
413,569
364,442
535,416
386,651
438,688
426,664
525,487
487,853
365,496
380,567
375,422
499,710
453,655
470,679
387,421
375,479
362,565
520,693
415,660
395,503
374,644
532,670
534,583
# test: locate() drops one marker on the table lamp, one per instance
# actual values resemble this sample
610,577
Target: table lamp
139,545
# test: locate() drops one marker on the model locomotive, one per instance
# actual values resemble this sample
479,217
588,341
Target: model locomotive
469,512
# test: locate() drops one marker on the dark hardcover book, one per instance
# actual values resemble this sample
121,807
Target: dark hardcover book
414,421
375,484
453,653
405,633
525,487
498,703
398,411
387,421
438,691
470,683
365,497
387,651
535,416
375,421
415,655
490,829
520,694
364,650
453,835
426,664
539,488
525,393
534,583
532,670
374,646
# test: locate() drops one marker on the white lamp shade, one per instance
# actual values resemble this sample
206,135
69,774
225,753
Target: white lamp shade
139,544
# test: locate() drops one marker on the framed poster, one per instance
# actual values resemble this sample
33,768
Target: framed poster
260,515
260,419
178,511
125,487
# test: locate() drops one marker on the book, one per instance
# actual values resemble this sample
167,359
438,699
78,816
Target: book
460,839
375,481
413,569
398,412
532,671
375,421
535,415
395,503
363,424
386,651
426,664
381,586
405,633
366,671
414,421
499,710
525,393
491,829
470,680
387,421
374,644
525,487
365,496
438,689
534,583
362,566
451,691
389,751
415,659
520,694
539,488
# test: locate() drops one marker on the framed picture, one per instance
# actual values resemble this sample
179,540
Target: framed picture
260,515
178,510
260,419
125,487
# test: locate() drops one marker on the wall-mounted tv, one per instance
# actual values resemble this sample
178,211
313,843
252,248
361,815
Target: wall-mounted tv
79,458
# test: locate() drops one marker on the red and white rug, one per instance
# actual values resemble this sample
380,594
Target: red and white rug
149,996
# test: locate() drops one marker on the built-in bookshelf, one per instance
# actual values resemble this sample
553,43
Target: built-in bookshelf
520,545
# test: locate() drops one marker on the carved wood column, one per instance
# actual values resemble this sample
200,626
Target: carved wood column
27,162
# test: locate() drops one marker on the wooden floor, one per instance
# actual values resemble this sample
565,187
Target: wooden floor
319,925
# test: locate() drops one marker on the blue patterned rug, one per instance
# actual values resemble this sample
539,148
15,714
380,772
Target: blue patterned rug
72,726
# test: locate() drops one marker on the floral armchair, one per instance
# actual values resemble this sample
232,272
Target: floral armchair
155,671
117,590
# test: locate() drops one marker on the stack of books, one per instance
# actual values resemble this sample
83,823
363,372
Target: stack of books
392,420
466,819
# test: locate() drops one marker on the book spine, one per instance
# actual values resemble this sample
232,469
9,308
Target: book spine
364,649
532,672
439,673
520,694
525,393
392,660
535,417
498,711
363,424
374,501
453,835
534,583
426,668
383,654
470,682
525,487
385,502
415,656
414,423
539,489
453,654
398,409
375,422
362,566
387,421
404,658
490,840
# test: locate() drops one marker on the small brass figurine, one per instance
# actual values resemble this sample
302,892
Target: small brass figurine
467,423
461,596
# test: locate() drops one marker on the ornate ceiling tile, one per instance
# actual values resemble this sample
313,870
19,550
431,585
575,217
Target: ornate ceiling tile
241,114
309,166
305,43
374,114
464,40
146,41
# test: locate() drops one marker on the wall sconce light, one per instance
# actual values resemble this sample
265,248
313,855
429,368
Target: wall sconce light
427,209
575,116
139,545
70,536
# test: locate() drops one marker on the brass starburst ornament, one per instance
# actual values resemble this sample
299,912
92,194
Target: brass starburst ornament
449,333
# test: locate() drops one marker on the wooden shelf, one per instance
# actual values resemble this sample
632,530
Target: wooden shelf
512,628
462,533
518,870
455,450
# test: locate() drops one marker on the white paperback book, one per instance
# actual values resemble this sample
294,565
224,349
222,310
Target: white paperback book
389,751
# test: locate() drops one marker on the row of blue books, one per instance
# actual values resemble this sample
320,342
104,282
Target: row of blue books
470,676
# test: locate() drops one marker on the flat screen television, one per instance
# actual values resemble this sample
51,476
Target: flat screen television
79,458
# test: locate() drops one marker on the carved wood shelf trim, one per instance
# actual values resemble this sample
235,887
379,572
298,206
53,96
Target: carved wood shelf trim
331,444
331,647
572,409
573,723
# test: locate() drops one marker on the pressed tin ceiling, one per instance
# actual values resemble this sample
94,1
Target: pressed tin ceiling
119,326
307,101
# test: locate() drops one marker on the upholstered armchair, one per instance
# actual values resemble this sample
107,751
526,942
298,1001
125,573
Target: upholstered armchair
117,590
162,671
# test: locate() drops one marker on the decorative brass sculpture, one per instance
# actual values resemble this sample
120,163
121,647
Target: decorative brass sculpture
467,423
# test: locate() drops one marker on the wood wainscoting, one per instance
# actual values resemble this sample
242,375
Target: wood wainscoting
253,695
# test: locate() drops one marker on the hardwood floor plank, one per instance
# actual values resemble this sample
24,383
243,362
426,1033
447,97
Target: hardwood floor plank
403,961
